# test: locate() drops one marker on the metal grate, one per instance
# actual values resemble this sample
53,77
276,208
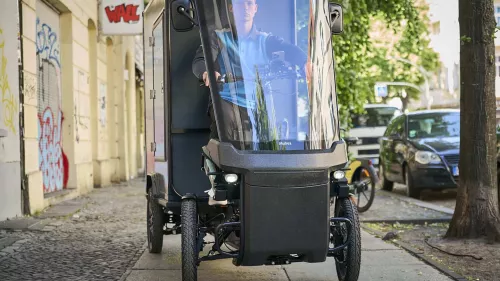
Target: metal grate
452,159
370,140
368,151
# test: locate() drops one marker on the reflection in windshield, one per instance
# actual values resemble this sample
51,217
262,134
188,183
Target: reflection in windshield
434,125
277,90
375,117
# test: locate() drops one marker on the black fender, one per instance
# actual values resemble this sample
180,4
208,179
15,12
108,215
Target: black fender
189,196
365,163
156,182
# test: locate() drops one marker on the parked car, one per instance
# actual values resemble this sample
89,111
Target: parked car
421,150
368,128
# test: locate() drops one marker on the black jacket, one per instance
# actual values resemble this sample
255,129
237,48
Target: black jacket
293,54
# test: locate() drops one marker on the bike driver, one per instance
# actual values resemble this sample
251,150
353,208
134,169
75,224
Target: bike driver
259,46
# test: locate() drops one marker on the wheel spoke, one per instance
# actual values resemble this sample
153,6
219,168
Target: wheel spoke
366,197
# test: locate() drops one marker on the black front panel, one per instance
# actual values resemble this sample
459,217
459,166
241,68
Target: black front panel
286,179
186,155
279,221
187,104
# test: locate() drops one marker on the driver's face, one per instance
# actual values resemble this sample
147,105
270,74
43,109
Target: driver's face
244,10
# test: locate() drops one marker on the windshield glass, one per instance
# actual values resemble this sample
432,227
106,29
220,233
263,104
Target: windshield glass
272,62
435,125
375,117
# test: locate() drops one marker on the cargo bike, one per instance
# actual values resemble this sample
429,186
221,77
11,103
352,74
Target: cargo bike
251,168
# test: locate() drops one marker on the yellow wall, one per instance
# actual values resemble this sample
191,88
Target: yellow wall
99,106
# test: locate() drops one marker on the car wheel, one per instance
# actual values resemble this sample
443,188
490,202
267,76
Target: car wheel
411,190
386,184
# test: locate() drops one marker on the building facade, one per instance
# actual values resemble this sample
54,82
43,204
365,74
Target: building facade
445,39
78,123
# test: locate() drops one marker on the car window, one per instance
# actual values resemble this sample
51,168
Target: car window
434,125
395,126
390,129
374,117
400,126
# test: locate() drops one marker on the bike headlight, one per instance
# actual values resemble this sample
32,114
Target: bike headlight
231,178
426,157
338,175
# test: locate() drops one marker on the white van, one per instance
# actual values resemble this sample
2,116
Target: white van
368,128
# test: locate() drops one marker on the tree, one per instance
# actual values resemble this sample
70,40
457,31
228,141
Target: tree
476,213
386,63
355,79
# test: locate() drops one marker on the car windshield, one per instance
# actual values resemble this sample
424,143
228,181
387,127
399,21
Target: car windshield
435,125
375,117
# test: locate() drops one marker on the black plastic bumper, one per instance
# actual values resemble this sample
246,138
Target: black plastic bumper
278,221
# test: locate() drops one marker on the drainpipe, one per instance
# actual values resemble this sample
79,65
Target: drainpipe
25,202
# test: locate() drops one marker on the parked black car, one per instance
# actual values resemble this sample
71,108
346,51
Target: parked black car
421,150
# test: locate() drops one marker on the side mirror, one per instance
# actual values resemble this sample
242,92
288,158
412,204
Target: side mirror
336,18
182,15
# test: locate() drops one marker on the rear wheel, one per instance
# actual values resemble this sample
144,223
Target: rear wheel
386,184
189,238
155,223
348,260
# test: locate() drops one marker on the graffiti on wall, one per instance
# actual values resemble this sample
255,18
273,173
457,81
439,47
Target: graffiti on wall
47,43
52,160
9,107
29,88
126,13
102,104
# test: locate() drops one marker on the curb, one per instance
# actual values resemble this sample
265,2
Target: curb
133,261
418,254
408,221
419,203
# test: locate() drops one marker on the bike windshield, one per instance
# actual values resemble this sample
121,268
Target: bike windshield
273,82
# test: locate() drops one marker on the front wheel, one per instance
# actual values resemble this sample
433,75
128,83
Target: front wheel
386,184
189,237
365,179
411,190
348,260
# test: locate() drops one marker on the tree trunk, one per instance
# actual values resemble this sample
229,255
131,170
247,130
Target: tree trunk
404,101
476,213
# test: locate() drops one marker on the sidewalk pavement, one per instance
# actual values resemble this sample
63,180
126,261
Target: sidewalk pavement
379,261
101,236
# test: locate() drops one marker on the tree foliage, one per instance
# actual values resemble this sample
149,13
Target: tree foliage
359,63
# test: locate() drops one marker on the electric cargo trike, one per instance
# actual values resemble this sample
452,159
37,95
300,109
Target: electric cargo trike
244,154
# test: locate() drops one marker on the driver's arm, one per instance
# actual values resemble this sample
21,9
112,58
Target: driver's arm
293,53
198,65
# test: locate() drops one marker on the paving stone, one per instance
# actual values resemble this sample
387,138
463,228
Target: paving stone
386,207
100,245
8,250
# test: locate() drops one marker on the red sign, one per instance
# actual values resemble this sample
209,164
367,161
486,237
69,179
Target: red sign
120,17
126,13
